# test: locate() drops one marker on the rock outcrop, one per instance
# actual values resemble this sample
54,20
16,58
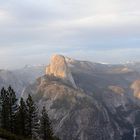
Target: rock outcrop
117,90
102,107
136,87
59,68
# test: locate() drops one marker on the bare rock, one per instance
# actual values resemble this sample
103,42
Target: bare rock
136,87
58,67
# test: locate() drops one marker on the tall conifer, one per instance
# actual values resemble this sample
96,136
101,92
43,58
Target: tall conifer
4,101
32,118
12,108
22,118
46,131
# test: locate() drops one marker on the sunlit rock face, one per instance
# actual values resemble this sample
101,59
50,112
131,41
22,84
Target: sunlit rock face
117,90
102,107
58,67
136,87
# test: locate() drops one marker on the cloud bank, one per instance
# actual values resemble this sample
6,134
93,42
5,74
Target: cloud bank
96,30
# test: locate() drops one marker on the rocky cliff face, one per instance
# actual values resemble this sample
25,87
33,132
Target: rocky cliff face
101,107
75,115
19,79
136,88
58,67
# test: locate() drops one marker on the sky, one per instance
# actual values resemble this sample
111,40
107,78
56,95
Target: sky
95,30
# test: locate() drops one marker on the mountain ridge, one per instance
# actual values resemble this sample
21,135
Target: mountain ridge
102,107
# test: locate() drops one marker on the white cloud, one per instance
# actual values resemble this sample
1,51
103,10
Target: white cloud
31,27
5,17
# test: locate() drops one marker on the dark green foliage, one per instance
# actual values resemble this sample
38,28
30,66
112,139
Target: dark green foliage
12,108
45,126
22,118
55,138
4,100
46,131
8,109
32,118
10,136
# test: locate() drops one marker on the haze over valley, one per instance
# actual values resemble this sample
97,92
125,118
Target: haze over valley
76,93
70,70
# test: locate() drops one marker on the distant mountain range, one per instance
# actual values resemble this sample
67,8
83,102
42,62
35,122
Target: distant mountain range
85,100
89,101
21,78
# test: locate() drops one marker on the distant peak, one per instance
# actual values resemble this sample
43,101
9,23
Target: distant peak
58,67
54,56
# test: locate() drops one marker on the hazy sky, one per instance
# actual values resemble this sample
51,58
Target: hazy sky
96,30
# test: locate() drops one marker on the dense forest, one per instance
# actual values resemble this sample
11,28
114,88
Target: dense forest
20,120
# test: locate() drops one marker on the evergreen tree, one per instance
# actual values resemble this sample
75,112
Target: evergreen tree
4,101
8,108
46,131
32,118
22,118
12,108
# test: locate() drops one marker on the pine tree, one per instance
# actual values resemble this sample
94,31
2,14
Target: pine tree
4,101
22,118
32,118
12,108
46,131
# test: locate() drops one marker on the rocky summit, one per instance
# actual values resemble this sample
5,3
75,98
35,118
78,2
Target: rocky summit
58,67
89,101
